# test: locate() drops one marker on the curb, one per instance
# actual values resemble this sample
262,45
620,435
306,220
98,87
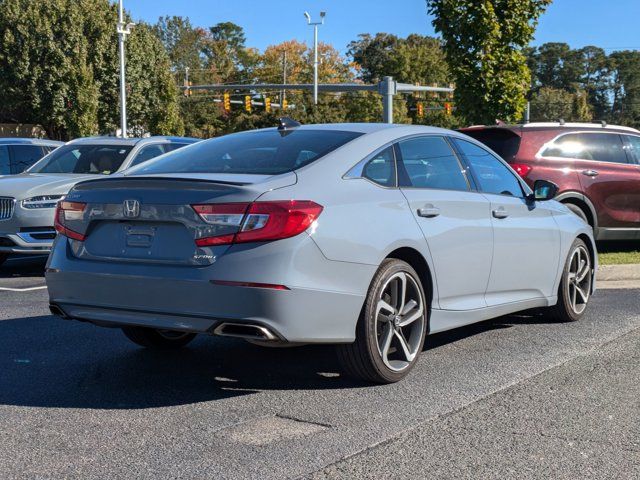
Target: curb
618,272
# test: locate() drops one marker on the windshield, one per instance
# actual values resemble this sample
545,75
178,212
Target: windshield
266,152
83,159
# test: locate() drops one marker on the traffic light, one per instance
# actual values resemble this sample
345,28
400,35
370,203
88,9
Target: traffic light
267,104
447,108
420,109
285,104
226,102
247,103
187,90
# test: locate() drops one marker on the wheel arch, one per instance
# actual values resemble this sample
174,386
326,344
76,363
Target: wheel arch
582,201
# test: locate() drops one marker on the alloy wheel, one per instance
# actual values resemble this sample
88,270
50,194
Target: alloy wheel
579,279
400,317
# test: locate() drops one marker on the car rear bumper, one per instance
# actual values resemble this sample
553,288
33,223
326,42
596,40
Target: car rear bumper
321,303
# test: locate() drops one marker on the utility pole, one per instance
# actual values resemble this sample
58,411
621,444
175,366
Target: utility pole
283,93
123,30
315,51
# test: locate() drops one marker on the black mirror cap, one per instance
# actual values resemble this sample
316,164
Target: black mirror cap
544,190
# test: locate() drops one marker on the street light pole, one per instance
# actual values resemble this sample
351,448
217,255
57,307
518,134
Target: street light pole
315,52
123,30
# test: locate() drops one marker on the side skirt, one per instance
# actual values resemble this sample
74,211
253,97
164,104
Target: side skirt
442,320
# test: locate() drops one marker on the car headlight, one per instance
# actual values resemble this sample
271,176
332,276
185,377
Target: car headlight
42,201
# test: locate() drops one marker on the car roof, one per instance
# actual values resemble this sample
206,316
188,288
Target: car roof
367,127
130,141
29,141
556,126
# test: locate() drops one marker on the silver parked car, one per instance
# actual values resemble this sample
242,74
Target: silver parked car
28,200
18,154
369,236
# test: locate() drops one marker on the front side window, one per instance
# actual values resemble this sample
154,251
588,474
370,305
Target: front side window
23,156
599,147
84,159
147,153
263,152
429,162
492,175
381,168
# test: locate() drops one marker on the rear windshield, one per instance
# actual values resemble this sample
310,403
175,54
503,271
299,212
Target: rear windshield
504,142
266,152
83,159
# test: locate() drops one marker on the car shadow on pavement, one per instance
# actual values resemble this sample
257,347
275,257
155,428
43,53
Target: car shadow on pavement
49,362
21,267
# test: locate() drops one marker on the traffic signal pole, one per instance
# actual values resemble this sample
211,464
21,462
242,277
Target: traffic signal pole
387,89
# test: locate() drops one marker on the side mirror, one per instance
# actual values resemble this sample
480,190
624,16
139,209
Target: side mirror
544,190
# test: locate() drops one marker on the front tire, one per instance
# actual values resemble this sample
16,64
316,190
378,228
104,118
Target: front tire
3,258
392,326
574,292
158,339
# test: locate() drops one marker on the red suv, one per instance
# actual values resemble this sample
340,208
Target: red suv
596,167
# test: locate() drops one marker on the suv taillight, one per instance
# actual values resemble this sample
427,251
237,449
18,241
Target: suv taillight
66,211
521,169
258,221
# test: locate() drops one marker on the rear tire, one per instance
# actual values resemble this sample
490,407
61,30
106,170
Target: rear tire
158,339
574,292
392,326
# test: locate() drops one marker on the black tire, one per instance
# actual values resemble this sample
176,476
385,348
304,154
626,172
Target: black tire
565,310
579,212
364,358
3,258
158,339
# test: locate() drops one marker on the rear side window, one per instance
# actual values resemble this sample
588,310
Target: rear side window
381,168
505,143
634,147
265,152
429,162
599,147
492,175
23,156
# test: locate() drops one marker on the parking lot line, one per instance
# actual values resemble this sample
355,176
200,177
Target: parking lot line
27,289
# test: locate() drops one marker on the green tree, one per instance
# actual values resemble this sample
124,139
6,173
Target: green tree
625,66
483,43
553,104
415,59
59,68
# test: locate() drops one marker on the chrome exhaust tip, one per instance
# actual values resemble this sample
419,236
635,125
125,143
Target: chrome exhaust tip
246,331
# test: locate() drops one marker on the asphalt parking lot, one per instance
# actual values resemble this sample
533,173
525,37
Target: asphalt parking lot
512,397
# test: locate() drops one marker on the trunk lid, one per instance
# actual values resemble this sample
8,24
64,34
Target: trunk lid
150,219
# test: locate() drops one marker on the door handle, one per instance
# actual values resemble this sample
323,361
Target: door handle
428,211
500,212
590,173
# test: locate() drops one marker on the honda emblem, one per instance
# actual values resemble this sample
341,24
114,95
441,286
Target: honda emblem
131,208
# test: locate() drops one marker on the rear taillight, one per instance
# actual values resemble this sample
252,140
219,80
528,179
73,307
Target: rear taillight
69,211
521,169
258,221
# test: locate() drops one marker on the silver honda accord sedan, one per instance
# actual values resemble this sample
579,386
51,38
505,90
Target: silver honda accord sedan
368,236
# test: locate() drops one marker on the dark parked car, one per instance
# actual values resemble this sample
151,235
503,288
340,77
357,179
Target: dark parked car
18,154
596,167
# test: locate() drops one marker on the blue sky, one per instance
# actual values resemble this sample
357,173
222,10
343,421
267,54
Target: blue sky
612,24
